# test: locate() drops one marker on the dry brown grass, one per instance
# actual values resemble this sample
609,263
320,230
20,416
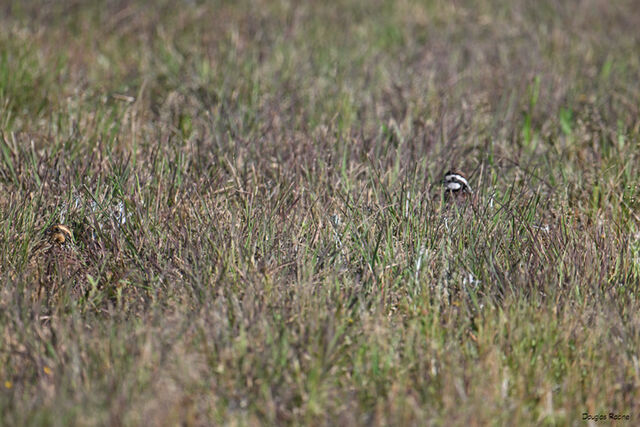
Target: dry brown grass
258,238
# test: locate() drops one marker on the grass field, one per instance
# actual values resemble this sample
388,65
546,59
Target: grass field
254,193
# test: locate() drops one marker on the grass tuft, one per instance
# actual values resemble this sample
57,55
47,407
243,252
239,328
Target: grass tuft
258,230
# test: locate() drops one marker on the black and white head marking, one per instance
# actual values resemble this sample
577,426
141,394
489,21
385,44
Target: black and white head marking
454,182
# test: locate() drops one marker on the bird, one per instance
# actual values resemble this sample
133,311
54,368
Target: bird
457,192
57,260
456,186
60,234
457,198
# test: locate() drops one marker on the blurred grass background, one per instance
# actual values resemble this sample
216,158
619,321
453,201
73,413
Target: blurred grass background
253,189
